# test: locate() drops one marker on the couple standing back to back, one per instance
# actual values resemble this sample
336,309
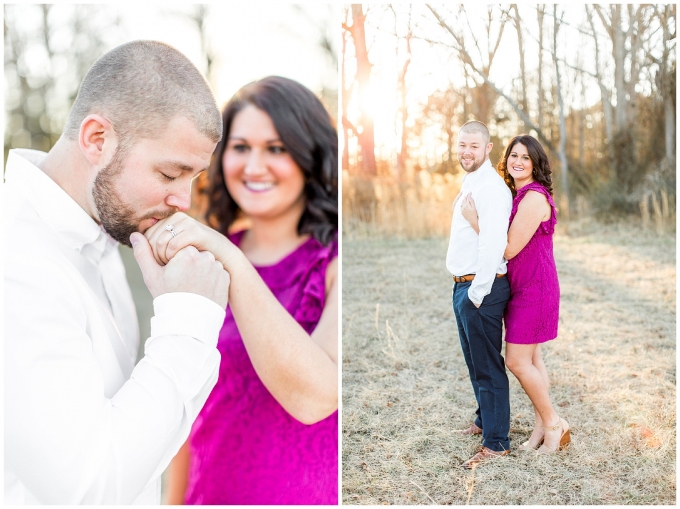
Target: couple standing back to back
510,274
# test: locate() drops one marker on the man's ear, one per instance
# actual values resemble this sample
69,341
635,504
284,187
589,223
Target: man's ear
488,149
97,139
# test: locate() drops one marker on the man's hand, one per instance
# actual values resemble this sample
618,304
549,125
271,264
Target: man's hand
188,271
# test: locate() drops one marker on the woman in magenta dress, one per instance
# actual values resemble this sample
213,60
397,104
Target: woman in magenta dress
532,312
268,433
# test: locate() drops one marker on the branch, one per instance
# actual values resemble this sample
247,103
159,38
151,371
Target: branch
465,57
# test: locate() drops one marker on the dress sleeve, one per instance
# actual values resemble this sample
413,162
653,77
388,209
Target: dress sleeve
313,299
64,440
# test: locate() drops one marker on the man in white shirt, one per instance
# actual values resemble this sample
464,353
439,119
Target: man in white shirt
83,424
481,289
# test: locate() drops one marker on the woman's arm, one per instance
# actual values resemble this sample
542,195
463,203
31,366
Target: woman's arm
531,211
178,476
299,370
469,212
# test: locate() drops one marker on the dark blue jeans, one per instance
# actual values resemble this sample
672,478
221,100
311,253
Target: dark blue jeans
480,331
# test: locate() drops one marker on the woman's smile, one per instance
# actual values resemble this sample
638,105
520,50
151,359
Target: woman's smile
257,186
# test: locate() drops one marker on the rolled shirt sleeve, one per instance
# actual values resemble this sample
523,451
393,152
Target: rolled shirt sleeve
64,439
493,208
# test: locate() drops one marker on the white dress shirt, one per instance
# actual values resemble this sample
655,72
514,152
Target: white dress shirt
481,254
83,424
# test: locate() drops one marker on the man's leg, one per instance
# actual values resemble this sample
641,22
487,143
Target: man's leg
483,329
460,292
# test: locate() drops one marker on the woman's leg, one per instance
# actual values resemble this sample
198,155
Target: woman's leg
537,361
527,365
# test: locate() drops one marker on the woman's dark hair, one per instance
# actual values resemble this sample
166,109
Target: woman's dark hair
539,159
306,132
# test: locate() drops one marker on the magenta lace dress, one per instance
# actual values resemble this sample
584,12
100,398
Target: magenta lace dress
533,309
245,448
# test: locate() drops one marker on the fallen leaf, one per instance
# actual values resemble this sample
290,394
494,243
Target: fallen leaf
648,435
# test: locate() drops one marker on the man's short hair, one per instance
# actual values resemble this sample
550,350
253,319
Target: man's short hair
475,126
139,87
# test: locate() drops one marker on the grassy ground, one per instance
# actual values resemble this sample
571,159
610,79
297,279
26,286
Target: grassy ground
406,387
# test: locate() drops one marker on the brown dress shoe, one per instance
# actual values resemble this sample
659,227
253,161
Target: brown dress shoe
472,430
484,455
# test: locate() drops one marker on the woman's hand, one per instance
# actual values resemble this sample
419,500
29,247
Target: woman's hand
469,212
188,232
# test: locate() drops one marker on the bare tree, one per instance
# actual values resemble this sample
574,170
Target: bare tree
605,94
564,164
402,155
626,45
346,92
540,13
522,67
665,77
363,77
482,72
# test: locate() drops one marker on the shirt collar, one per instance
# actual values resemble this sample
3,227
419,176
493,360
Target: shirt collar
477,174
54,205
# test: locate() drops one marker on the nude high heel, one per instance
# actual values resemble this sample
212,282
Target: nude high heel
526,446
565,439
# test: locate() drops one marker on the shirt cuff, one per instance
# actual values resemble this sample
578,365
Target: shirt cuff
187,314
474,300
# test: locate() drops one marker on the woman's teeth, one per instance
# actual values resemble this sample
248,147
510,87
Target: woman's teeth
259,186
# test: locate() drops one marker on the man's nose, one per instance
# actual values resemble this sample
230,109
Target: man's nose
181,199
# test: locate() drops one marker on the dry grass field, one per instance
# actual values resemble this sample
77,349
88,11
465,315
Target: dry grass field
406,388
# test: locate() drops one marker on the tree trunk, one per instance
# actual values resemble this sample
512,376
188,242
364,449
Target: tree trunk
605,97
665,81
523,76
345,101
564,164
363,77
402,156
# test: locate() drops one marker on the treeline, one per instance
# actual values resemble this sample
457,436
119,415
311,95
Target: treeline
594,83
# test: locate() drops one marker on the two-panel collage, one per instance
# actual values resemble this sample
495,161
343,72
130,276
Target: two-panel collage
339,254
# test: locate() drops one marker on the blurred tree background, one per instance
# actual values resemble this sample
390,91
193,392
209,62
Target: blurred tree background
594,84
50,47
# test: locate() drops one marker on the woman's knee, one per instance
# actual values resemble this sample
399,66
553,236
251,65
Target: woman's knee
517,363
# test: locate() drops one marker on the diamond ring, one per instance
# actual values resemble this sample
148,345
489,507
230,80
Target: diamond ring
171,229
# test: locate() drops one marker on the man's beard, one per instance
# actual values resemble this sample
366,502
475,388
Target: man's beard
117,217
475,165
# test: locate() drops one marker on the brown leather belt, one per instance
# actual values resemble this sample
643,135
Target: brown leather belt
469,277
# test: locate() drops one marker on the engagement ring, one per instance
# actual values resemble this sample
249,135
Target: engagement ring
171,229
